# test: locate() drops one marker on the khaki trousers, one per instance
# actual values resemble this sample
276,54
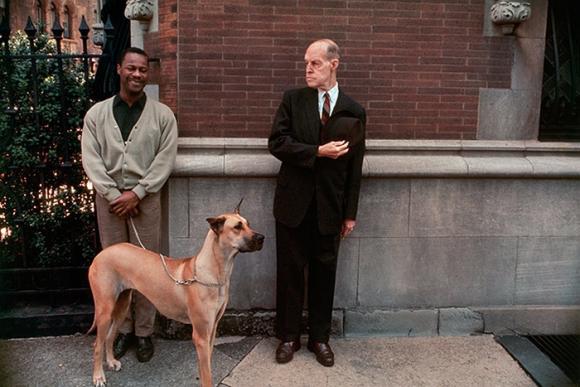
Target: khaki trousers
113,229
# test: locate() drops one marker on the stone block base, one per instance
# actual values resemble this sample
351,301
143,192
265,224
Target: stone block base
553,320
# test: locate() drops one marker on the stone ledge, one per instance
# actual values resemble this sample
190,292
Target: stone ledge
220,157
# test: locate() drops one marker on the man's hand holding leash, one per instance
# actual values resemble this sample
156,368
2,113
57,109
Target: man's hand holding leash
126,205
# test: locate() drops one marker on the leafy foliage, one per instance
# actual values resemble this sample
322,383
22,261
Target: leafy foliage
46,208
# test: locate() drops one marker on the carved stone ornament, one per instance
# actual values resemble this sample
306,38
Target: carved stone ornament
140,10
508,14
99,34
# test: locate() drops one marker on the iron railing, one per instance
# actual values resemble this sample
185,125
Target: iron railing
47,224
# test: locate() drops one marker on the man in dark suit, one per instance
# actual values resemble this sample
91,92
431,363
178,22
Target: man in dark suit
318,134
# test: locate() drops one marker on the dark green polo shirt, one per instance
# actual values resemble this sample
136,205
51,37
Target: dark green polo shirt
126,116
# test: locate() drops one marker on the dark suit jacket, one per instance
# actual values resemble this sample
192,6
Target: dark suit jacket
335,184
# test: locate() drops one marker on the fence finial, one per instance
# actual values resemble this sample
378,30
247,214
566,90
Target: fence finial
30,29
84,28
57,29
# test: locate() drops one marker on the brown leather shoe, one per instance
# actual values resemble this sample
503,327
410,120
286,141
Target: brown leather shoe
323,352
285,351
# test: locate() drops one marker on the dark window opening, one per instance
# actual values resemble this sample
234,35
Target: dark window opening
3,11
67,22
53,15
40,16
560,111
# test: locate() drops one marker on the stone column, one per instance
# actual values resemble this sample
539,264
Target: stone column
140,12
514,113
98,27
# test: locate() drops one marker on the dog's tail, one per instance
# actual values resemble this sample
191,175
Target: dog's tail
92,328
94,325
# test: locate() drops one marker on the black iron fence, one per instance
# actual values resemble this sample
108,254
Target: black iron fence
48,233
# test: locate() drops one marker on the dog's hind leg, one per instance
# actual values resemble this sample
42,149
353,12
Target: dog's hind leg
118,315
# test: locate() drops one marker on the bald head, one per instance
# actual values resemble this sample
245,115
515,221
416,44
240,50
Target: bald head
329,46
321,60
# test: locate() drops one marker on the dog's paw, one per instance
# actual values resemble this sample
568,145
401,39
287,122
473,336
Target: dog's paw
99,381
114,365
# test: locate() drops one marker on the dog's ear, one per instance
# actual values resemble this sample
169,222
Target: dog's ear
237,209
216,224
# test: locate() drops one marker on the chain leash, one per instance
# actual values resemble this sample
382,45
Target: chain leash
182,282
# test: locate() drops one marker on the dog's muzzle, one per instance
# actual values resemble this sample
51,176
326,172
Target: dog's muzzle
254,243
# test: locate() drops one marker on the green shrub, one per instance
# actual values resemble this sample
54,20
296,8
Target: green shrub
46,208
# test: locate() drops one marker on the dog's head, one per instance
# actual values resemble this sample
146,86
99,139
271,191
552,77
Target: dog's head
235,230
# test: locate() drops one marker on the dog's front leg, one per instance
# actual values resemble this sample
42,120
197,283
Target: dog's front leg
201,340
214,331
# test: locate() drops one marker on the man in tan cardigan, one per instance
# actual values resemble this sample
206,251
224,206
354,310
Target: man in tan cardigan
129,145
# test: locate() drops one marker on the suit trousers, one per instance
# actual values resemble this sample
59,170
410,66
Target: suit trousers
299,248
113,229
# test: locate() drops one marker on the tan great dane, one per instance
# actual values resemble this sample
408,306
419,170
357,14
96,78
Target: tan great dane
192,291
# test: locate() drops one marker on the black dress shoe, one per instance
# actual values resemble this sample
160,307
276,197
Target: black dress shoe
144,349
122,343
285,351
323,352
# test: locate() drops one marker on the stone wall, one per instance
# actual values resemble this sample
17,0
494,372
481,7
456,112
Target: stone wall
453,237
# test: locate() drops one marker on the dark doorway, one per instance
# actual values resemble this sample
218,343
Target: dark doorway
560,114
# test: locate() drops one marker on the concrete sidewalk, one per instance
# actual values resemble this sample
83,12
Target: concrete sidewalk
249,361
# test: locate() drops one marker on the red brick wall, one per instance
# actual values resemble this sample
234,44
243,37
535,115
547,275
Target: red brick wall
20,10
162,45
415,65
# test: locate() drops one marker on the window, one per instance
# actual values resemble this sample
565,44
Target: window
53,15
66,23
40,16
2,10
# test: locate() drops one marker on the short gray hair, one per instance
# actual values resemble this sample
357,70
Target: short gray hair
332,49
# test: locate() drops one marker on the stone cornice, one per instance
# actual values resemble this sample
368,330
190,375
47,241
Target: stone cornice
249,157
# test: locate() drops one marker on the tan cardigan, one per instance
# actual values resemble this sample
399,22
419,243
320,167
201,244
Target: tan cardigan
142,164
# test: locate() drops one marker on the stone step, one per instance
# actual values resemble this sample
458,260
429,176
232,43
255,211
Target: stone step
38,321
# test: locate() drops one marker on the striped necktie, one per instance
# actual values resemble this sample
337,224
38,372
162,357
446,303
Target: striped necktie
325,110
